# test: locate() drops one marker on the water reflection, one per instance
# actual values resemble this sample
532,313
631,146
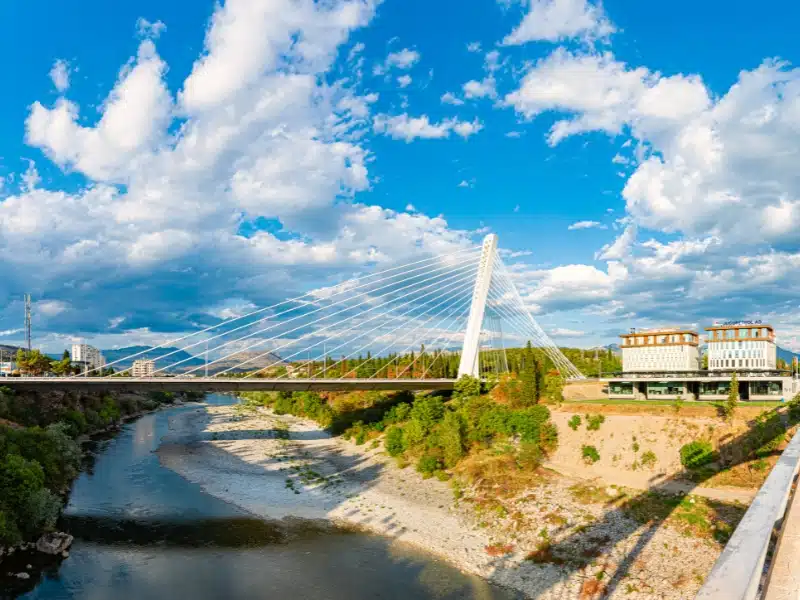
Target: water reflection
144,532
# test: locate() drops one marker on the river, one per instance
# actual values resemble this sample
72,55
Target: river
143,532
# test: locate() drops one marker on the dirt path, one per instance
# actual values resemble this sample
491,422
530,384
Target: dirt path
649,481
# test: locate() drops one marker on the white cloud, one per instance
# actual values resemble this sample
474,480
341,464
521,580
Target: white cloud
404,81
467,184
408,128
59,74
450,98
480,89
151,30
474,47
134,116
620,247
513,134
555,20
604,95
565,332
586,225
198,171
404,59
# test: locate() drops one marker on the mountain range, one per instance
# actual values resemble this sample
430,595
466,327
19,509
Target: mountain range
188,362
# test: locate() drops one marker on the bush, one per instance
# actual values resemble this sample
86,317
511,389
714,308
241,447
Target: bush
427,412
428,465
649,459
452,438
75,422
574,422
590,454
697,454
466,387
394,442
593,422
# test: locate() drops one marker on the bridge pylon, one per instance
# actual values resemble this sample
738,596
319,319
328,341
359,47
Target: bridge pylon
483,280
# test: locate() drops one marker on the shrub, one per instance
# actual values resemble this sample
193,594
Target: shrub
40,512
398,413
451,437
75,422
649,459
466,386
590,454
574,422
696,454
394,442
428,465
593,422
427,412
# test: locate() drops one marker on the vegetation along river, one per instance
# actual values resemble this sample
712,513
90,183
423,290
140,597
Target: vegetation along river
142,531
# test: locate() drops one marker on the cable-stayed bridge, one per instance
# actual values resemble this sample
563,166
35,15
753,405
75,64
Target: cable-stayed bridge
399,328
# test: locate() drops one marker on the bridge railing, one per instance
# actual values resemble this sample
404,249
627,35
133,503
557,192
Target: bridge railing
739,571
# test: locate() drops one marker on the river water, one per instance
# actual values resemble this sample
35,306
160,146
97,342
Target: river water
143,532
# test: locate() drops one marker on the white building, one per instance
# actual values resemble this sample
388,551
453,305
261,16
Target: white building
741,345
88,355
6,368
660,350
143,368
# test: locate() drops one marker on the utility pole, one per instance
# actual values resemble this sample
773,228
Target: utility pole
28,320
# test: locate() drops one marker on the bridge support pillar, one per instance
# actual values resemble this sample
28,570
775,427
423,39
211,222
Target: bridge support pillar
469,353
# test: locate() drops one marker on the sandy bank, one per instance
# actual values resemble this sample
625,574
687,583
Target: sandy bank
280,467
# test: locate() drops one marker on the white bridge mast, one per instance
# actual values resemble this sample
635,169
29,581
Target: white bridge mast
469,353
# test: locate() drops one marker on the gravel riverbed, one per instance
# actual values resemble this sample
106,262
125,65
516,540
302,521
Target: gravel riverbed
282,467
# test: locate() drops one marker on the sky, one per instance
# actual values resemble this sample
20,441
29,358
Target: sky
165,163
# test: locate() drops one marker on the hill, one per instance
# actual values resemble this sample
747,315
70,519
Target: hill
148,352
188,361
786,355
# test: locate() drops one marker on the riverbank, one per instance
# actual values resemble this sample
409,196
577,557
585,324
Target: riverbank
561,538
48,444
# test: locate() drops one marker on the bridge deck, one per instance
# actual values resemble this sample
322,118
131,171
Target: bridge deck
213,384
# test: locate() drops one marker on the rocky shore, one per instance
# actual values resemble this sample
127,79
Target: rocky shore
561,538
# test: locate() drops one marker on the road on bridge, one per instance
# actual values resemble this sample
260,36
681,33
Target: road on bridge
213,384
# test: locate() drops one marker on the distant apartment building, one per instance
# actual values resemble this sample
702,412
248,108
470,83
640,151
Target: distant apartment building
7,368
655,350
88,356
143,368
741,346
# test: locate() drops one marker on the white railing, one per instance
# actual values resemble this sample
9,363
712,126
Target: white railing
739,570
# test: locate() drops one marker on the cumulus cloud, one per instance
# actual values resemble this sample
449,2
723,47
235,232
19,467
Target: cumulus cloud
555,20
196,199
59,75
405,127
586,225
404,59
450,98
404,81
148,29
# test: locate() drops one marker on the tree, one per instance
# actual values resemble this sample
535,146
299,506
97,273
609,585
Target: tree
529,389
63,366
733,397
705,360
33,362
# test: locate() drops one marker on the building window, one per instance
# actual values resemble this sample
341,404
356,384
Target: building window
716,388
664,389
622,388
766,388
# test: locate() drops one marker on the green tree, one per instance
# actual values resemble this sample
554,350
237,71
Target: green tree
33,362
529,388
466,386
64,366
452,437
733,397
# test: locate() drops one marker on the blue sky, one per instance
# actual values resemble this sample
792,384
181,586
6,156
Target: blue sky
641,159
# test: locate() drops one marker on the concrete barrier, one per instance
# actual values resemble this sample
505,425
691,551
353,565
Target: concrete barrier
739,570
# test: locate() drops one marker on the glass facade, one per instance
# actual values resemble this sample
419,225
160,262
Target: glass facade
622,388
766,388
717,388
664,389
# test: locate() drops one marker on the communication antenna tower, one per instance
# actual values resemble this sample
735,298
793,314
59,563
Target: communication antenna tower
28,320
